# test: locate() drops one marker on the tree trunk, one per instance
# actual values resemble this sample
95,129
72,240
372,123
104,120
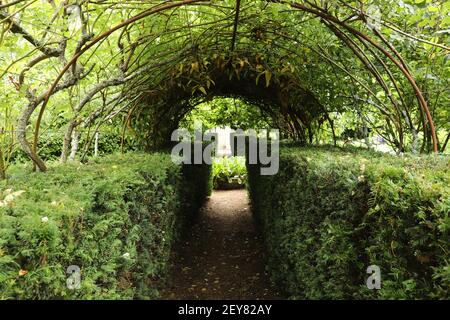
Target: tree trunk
444,146
67,141
75,142
22,136
2,166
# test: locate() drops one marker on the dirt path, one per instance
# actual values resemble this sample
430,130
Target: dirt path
222,256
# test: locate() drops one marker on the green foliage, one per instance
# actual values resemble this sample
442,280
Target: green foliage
229,172
116,218
280,53
330,213
231,112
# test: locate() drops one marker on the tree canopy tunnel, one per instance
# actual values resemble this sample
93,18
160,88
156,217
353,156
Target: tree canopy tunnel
148,63
292,109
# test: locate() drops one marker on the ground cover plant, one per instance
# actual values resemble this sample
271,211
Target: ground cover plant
229,173
116,218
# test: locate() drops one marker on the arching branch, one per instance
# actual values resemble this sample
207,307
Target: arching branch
26,114
422,102
235,25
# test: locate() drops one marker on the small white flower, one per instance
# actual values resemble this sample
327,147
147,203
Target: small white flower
126,255
361,178
54,203
362,167
44,219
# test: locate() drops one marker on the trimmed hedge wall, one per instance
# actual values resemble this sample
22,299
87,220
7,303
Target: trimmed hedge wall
330,213
116,218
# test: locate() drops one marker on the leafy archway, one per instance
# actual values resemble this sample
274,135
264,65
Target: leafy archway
345,55
294,109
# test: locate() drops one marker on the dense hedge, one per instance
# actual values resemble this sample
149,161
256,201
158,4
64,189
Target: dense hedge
330,213
116,218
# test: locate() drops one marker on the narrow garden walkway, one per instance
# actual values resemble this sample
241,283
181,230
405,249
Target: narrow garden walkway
222,257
